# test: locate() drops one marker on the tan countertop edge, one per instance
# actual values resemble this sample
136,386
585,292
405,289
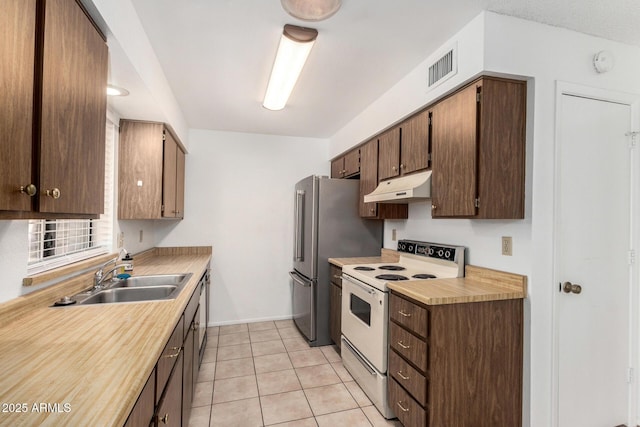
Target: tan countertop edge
386,255
95,358
479,284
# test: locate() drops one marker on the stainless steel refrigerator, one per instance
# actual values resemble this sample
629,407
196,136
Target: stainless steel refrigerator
327,225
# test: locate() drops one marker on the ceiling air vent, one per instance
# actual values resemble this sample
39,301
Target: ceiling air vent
443,68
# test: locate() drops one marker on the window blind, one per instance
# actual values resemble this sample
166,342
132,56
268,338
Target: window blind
58,242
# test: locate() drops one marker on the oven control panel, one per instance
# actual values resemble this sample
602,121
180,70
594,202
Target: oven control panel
430,250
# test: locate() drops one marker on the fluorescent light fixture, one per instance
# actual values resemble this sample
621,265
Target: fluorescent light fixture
295,46
116,91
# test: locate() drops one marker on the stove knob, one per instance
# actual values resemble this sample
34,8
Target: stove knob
447,254
430,251
440,252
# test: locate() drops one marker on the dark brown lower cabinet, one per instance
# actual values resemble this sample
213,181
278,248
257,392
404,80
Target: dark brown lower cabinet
187,375
335,318
467,371
169,411
142,413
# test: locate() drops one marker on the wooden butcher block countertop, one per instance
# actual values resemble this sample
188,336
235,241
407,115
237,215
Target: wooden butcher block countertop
479,284
86,365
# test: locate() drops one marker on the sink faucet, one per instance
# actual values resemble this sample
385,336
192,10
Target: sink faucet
100,275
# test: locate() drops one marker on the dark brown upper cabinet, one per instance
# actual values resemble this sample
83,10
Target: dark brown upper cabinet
478,137
346,165
151,172
54,68
405,148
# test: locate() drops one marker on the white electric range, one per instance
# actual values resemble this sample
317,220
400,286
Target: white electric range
365,309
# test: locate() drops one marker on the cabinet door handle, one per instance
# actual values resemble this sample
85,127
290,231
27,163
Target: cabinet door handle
402,407
402,313
174,355
29,189
54,193
165,419
402,166
433,207
393,168
403,346
402,376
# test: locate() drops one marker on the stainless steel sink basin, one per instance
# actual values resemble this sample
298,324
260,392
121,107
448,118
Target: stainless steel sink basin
132,294
135,288
154,280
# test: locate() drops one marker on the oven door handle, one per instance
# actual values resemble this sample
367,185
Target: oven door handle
368,289
357,355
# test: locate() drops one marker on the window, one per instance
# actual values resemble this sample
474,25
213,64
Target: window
58,242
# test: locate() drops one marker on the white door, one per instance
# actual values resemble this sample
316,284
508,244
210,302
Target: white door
593,239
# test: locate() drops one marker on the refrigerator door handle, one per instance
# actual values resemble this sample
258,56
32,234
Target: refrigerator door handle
296,278
299,227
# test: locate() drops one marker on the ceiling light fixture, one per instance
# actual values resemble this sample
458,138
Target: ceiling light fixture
311,10
293,50
116,91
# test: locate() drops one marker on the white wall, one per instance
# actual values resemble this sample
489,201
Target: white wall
239,199
549,54
503,45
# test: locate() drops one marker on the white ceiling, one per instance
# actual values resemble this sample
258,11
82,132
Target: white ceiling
217,54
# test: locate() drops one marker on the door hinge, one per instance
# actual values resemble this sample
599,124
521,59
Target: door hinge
478,97
162,208
630,375
632,257
429,119
476,202
164,136
634,138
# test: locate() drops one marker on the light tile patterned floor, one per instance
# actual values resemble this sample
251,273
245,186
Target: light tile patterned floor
265,374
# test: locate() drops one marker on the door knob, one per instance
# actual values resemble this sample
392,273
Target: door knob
569,287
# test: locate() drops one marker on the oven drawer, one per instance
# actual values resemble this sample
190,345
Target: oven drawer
408,411
408,346
408,314
410,378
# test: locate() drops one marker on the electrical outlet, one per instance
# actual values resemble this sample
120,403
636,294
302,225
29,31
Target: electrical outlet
140,236
507,245
121,239
393,235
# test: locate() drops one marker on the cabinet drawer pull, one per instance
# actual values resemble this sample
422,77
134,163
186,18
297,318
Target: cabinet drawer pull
337,276
54,193
402,313
29,189
165,419
403,346
402,376
174,355
402,407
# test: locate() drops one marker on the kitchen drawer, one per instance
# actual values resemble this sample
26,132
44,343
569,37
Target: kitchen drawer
169,356
409,315
408,346
409,377
335,275
408,411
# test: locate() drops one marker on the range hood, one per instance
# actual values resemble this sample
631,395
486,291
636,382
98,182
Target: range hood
402,190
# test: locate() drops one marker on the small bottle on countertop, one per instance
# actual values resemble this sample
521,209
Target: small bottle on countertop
128,262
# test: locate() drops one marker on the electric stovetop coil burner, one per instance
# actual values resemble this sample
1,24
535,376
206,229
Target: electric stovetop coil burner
363,268
394,277
423,276
392,267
